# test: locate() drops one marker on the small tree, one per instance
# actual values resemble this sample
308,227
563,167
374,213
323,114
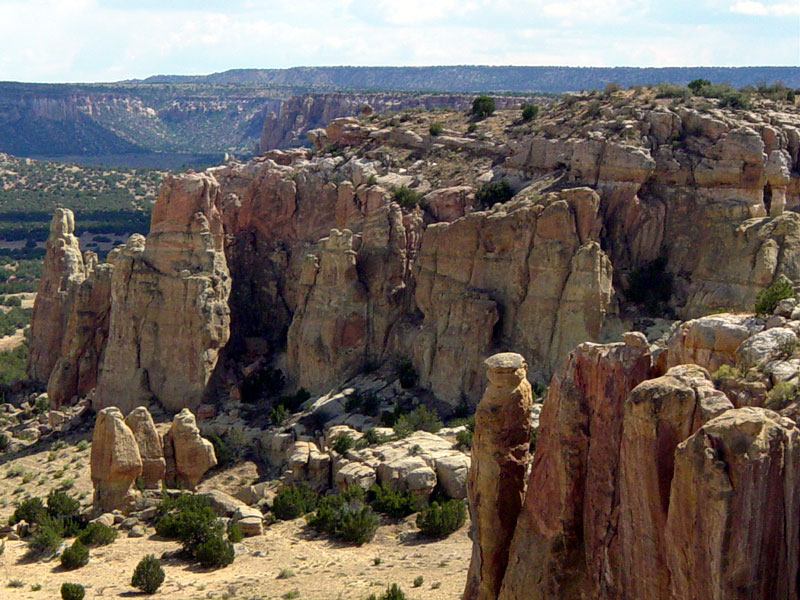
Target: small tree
483,106
75,557
698,84
72,591
767,300
529,112
148,575
440,520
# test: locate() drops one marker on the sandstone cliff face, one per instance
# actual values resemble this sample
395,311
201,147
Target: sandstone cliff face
169,314
62,272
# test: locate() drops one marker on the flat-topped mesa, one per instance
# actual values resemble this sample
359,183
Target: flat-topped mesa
62,270
169,293
496,483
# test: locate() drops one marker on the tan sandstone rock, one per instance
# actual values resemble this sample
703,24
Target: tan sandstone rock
496,483
115,461
151,447
169,313
187,453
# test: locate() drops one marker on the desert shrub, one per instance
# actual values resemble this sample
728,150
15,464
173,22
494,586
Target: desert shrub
418,581
488,194
464,437
406,197
31,510
345,516
767,299
61,506
441,519
264,383
407,374
697,84
372,437
483,106
781,395
387,500
293,501
611,87
472,128
734,99
593,109
214,552
366,404
278,414
671,90
436,128
223,452
72,591
342,443
75,556
97,534
529,112
293,402
148,575
4,442
650,285
419,419
235,534
726,372
46,540
393,592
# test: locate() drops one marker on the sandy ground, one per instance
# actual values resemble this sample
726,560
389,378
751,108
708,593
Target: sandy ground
318,568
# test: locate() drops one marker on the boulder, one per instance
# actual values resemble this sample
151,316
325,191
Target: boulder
223,504
765,346
188,454
151,447
115,461
710,341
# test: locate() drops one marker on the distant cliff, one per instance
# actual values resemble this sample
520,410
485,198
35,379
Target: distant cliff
473,78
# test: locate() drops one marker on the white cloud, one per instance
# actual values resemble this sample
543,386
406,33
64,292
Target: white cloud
766,9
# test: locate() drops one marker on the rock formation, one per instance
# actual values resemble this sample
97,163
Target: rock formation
62,271
188,455
150,445
496,484
115,461
169,313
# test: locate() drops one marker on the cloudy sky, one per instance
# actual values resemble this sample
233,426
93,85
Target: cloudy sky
109,40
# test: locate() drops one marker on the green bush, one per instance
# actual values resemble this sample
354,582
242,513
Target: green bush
489,194
436,128
97,534
697,84
345,516
46,540
148,575
31,510
75,556
440,520
483,106
529,112
671,90
393,592
60,505
72,591
389,501
342,443
781,395
293,501
419,419
406,197
767,300
214,552
235,534
734,99
407,374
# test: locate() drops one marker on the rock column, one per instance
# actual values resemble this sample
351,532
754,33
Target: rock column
496,484
115,461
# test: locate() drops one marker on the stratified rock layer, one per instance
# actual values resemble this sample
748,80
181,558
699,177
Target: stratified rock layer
169,313
496,484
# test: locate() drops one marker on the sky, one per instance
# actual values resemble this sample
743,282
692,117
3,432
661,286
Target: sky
111,40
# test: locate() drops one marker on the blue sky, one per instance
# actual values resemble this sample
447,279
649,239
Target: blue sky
109,40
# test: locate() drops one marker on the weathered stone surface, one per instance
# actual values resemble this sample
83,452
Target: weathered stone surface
732,529
62,270
169,312
768,345
151,447
659,415
496,483
328,336
564,541
710,341
223,504
188,454
115,461
310,466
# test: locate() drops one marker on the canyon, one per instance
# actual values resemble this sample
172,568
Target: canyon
469,264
